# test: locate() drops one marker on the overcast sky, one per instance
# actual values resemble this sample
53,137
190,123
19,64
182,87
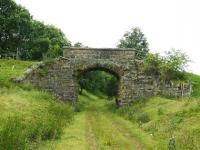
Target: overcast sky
167,24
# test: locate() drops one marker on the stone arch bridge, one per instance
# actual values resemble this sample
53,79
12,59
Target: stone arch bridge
60,76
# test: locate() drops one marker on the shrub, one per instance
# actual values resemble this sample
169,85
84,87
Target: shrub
169,67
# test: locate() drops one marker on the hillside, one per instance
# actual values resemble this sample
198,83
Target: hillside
157,123
35,117
28,116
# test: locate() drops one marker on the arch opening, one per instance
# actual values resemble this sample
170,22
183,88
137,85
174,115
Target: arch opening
99,81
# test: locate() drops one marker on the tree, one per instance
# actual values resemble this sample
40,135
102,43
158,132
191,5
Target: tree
79,44
50,37
15,28
137,40
26,38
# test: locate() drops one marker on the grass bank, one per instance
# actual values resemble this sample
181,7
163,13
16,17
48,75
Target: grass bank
173,123
28,116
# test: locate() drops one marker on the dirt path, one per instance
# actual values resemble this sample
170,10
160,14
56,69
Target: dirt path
97,129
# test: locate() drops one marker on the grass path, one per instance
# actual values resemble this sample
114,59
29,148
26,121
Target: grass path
97,128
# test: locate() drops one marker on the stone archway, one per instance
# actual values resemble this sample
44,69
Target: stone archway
83,74
59,76
119,62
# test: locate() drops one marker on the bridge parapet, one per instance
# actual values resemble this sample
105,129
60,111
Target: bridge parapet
99,53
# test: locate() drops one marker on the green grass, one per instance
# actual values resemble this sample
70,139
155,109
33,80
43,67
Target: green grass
10,69
196,84
96,126
34,119
28,116
166,119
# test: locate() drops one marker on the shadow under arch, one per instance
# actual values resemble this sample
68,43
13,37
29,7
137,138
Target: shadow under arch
110,71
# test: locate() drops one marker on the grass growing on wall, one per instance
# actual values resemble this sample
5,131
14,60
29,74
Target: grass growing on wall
28,116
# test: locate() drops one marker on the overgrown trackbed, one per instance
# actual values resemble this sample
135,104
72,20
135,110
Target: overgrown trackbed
95,128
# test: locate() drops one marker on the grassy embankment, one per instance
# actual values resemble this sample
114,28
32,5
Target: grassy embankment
155,123
28,116
96,126
173,123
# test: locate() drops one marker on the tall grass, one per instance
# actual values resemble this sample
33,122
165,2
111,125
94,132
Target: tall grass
22,132
28,116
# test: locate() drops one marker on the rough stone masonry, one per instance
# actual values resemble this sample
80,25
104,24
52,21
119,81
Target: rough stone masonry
60,76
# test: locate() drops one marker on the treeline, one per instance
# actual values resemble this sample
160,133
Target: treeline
25,38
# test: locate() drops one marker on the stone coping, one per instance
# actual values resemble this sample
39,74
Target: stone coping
100,49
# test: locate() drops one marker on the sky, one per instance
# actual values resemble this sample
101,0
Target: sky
167,24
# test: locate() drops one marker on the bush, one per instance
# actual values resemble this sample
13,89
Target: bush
169,67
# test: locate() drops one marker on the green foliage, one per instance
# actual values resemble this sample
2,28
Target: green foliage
11,135
25,38
177,127
10,69
40,48
195,84
160,111
152,64
15,28
18,133
143,118
78,44
137,40
99,82
169,67
48,39
190,138
28,116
